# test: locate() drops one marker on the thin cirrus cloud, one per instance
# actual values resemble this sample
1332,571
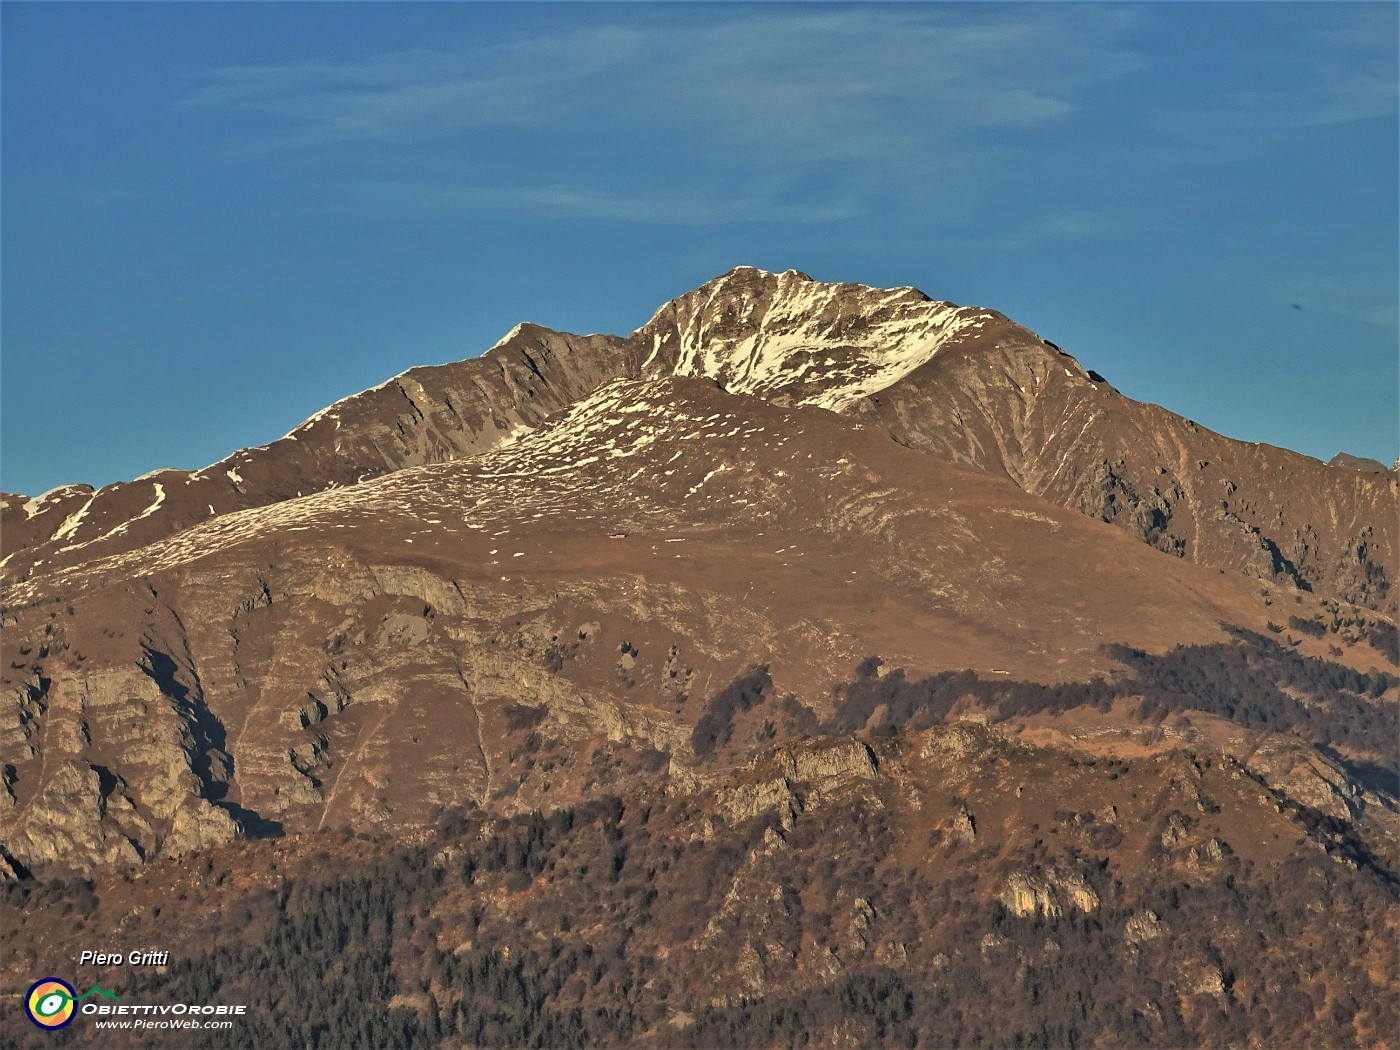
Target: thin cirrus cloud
689,116
736,112
562,200
1057,226
820,76
1347,74
1311,76
1365,297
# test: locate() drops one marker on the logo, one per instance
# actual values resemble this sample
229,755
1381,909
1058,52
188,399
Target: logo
49,1003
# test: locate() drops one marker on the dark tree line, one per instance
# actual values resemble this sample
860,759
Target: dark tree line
578,928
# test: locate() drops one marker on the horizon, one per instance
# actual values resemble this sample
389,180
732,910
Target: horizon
220,219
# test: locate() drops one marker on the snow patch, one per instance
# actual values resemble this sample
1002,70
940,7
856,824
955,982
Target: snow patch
160,498
66,529
507,337
331,411
35,505
701,483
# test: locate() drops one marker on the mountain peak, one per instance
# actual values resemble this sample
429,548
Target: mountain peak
789,337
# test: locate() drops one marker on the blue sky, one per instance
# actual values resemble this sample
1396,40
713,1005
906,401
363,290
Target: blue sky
219,218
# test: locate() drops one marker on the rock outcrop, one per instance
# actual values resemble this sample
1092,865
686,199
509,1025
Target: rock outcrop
1049,893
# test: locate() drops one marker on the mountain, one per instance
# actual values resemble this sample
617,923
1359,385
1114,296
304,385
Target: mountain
801,572
967,384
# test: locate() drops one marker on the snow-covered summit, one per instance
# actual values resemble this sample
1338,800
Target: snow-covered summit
789,337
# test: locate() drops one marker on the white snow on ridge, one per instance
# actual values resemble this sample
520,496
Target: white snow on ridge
535,477
33,506
67,528
120,529
329,412
505,338
828,344
160,498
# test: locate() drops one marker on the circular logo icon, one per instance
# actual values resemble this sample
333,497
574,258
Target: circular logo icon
49,1003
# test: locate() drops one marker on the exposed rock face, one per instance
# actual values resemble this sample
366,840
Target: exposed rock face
426,415
195,827
1144,926
1174,832
964,829
1050,893
823,773
353,657
1199,977
1013,403
1306,775
692,902
1212,851
838,764
67,822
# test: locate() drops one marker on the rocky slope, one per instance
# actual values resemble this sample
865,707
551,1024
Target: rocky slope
425,415
1066,435
352,656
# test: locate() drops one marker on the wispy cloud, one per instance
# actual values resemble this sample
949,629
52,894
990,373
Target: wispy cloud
1062,225
1365,297
422,94
1324,65
691,115
735,115
681,208
828,81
